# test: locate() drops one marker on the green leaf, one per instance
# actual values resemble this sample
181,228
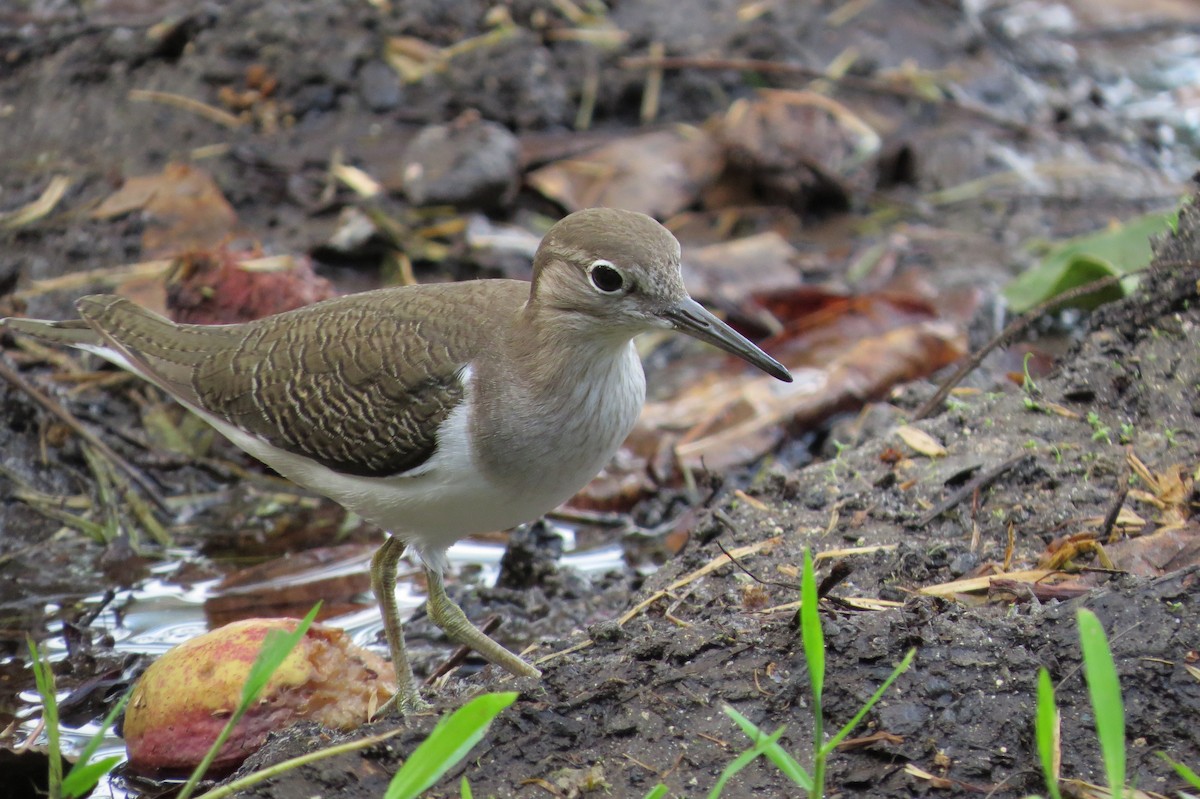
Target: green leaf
1116,250
43,677
1183,771
464,790
657,792
1047,730
743,760
775,753
84,774
276,646
450,741
1105,690
810,628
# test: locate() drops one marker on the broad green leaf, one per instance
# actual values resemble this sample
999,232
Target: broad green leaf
85,775
1116,250
450,741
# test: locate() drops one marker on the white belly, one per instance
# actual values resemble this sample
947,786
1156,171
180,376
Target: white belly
451,496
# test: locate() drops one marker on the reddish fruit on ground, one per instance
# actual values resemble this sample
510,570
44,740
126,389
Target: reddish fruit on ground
183,700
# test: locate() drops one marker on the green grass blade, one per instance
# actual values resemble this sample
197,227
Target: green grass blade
85,774
464,790
1048,732
1189,776
43,677
276,646
743,760
657,792
810,629
870,703
1105,690
775,753
450,741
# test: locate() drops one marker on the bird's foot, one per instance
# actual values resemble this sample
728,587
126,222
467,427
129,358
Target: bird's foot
403,703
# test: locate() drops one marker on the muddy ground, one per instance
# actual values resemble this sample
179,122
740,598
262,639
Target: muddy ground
1077,103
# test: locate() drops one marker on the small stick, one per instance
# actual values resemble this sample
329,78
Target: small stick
981,481
459,656
1114,507
67,418
1014,327
204,110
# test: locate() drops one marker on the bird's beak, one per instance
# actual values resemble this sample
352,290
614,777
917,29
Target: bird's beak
692,318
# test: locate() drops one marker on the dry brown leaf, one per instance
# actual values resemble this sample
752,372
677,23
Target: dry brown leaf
972,584
658,173
1170,549
920,441
184,209
798,145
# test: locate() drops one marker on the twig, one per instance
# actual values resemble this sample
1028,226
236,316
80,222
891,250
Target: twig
751,574
1014,327
187,104
846,81
980,482
1114,507
67,418
459,656
711,566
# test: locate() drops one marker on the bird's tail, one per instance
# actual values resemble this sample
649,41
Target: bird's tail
73,333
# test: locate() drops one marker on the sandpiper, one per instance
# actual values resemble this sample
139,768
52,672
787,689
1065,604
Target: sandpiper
434,411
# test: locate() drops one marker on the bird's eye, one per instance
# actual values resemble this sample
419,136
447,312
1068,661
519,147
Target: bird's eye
606,277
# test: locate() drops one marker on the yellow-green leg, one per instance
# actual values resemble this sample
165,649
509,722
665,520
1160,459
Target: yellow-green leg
407,698
449,616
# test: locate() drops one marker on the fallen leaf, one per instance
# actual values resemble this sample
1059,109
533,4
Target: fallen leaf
1118,249
658,173
920,441
184,210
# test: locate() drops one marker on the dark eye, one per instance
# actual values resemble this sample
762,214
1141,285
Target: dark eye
605,277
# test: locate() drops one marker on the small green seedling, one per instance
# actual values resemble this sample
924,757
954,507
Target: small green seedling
1100,431
86,773
813,640
1048,732
1104,688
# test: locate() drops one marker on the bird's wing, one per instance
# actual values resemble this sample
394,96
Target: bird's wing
359,383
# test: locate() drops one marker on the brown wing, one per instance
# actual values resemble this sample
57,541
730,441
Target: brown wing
358,383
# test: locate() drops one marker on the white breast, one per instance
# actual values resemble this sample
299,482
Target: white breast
450,496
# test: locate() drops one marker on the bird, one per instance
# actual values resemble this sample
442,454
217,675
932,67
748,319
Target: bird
434,411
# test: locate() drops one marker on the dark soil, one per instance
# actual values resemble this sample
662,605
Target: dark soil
643,703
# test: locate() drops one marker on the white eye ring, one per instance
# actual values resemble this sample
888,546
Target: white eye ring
606,278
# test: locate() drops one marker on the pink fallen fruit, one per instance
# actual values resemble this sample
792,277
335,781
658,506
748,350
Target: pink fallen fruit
184,699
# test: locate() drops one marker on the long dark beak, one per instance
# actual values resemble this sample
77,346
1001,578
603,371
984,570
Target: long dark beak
692,318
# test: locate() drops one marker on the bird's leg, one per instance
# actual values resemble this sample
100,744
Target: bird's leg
449,616
407,698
